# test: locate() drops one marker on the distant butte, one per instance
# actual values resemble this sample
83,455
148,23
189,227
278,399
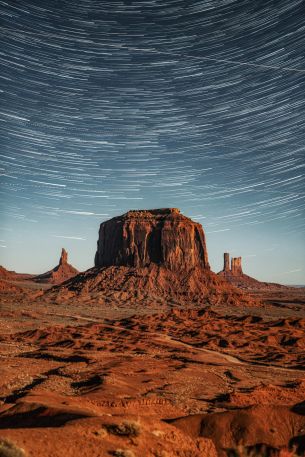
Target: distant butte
151,256
235,276
62,272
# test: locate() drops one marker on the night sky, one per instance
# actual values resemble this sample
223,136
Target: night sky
114,105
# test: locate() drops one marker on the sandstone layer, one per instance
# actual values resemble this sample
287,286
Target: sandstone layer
161,236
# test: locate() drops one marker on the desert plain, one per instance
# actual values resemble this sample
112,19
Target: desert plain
150,353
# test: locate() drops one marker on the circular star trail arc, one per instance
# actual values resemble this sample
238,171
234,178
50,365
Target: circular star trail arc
108,106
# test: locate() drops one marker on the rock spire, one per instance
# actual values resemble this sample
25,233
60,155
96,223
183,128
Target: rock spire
64,257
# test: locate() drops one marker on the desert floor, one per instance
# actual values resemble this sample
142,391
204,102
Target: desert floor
99,379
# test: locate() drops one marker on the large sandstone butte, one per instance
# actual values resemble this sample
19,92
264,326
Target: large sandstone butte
60,273
150,257
159,236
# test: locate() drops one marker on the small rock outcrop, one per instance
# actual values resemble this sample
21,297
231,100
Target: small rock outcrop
160,236
60,273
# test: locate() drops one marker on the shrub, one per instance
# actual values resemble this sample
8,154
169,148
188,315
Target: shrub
9,449
126,428
123,453
259,451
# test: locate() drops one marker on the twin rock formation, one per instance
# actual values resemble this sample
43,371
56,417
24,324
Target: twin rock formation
151,255
238,278
235,269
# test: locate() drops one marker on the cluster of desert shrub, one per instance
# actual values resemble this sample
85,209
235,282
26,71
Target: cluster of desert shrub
126,428
9,449
123,453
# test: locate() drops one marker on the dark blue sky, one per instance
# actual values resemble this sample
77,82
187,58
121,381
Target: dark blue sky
112,105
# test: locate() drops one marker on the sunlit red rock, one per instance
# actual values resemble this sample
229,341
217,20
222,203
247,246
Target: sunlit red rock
161,236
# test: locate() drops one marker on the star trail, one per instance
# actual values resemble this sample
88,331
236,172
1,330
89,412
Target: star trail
113,105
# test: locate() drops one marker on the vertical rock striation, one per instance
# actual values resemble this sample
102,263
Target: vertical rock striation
160,236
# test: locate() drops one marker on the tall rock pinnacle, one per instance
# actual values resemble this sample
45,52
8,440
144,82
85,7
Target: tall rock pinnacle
226,261
63,257
236,268
60,273
159,236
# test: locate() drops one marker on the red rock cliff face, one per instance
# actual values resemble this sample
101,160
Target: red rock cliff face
160,236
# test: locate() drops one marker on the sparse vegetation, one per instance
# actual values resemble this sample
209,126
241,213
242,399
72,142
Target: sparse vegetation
126,428
161,454
259,451
9,449
102,432
123,453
